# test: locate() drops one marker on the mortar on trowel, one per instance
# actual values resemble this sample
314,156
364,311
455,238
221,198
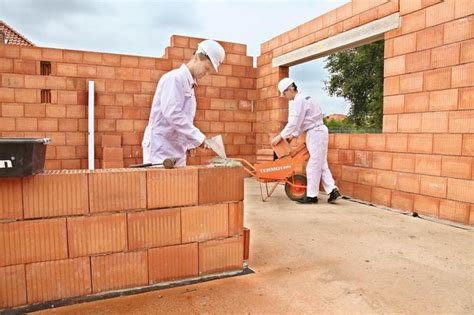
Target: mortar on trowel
216,144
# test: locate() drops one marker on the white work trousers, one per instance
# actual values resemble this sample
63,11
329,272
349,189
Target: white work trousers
317,169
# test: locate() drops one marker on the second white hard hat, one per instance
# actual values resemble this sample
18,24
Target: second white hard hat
284,84
213,50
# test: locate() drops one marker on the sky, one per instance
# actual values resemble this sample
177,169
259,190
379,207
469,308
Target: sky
144,28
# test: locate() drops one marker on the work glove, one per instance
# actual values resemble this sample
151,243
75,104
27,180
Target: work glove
276,140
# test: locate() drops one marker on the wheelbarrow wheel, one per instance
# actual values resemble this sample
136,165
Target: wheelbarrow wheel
296,193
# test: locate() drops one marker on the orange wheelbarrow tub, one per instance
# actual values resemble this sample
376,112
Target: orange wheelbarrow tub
288,170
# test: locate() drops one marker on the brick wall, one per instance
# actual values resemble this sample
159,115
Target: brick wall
124,90
424,160
73,233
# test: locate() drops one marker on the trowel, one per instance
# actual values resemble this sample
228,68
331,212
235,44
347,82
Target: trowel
217,145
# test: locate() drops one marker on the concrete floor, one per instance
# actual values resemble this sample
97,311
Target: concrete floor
344,258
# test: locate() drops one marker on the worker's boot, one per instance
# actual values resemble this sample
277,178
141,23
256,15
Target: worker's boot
308,200
334,195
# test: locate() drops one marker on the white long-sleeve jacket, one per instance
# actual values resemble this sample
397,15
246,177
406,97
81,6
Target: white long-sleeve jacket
303,114
170,131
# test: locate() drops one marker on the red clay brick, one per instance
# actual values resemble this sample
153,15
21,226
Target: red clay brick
390,123
437,79
55,194
458,30
13,80
117,190
447,144
454,211
408,182
24,66
429,37
433,186
426,205
394,66
204,222
382,160
32,241
154,228
119,271
466,98
221,255
436,122
236,218
460,190
428,164
461,121
341,141
112,141
402,200
358,141
418,61
173,262
420,143
363,192
463,75
456,166
393,104
363,158
220,184
346,157
440,13
408,6
350,174
410,83
54,280
26,96
416,102
414,21
391,85
444,56
396,142
403,162
381,196
467,51
97,234
376,142
404,44
12,286
170,188
367,176
443,100
468,144
409,122
112,154
11,206
246,243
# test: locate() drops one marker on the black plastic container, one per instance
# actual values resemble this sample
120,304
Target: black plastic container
22,156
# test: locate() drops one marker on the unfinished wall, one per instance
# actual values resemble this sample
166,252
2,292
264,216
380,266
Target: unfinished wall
73,233
124,90
424,160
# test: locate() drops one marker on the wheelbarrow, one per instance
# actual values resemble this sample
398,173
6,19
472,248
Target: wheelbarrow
288,169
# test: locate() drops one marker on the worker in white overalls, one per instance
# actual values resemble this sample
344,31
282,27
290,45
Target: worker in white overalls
170,131
304,115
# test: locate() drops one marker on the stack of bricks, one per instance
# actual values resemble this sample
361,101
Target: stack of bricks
112,151
124,89
74,233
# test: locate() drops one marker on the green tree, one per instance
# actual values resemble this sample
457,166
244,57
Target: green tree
356,74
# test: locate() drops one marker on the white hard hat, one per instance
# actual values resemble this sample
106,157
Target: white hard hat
213,50
284,84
